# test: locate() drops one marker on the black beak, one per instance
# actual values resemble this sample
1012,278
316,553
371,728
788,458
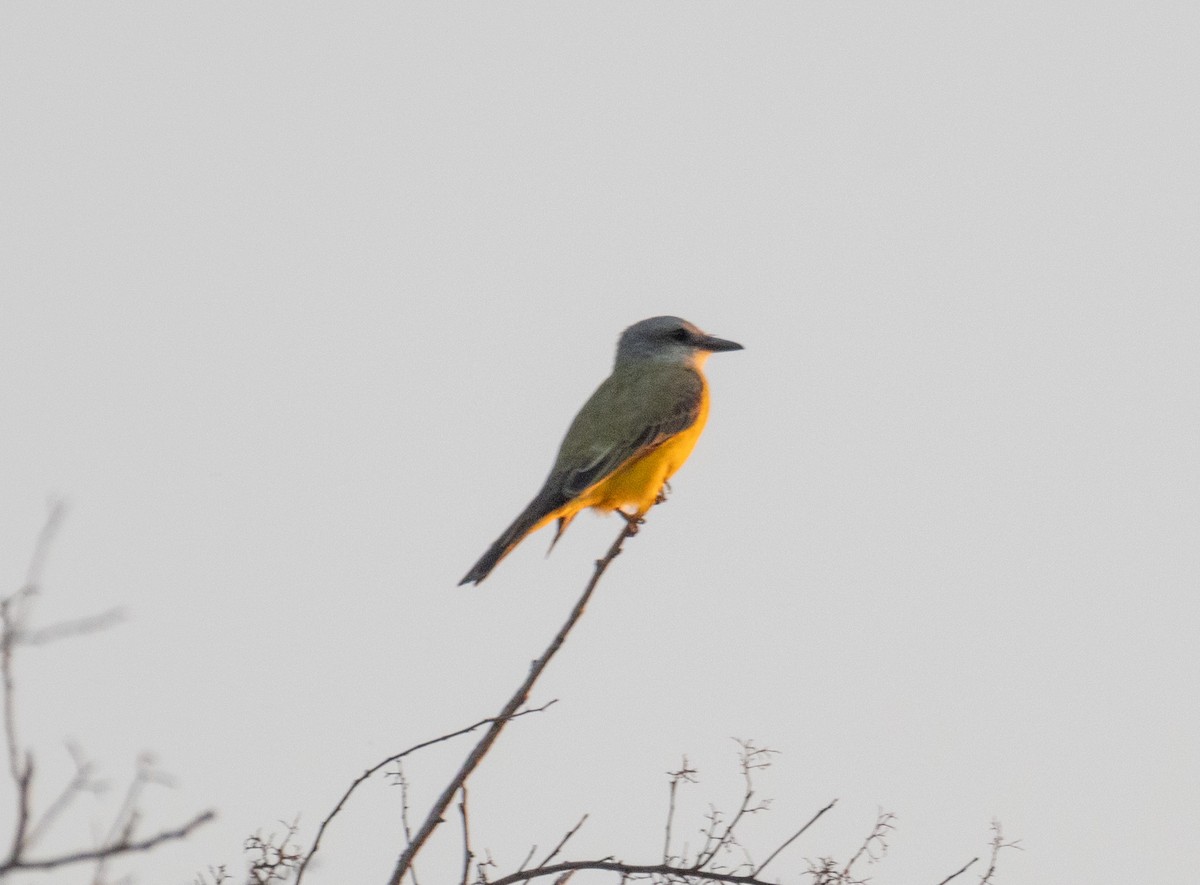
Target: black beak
716,345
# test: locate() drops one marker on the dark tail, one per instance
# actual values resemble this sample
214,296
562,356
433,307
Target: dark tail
545,503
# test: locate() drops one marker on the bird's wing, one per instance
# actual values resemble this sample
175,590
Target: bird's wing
626,417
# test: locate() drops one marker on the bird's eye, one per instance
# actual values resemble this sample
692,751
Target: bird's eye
680,334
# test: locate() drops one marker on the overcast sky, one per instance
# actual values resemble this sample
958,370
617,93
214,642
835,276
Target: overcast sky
297,301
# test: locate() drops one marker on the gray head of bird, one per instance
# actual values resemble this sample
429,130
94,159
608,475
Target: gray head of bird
669,340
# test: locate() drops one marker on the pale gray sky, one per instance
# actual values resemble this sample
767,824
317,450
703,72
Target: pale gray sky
297,302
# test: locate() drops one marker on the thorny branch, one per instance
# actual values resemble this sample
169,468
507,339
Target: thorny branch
706,867
273,857
402,781
678,869
824,870
519,697
685,774
998,844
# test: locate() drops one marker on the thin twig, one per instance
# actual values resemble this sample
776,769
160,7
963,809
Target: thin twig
487,862
80,781
74,627
800,832
528,857
998,844
563,841
24,779
272,860
12,632
110,850
959,872
128,809
557,848
14,612
476,755
127,814
41,546
403,782
374,769
883,823
20,765
685,773
466,828
716,838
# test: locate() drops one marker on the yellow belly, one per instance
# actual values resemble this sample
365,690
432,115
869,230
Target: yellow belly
635,485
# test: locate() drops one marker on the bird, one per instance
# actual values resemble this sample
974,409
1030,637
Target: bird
631,435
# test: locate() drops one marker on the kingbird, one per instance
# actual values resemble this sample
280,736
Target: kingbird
628,439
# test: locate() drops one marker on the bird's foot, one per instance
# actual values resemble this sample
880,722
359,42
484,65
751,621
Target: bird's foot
632,522
663,493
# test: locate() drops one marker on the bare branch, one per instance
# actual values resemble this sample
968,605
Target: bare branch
20,764
875,842
124,847
625,869
13,611
400,779
274,858
374,769
519,697
998,845
28,829
718,838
